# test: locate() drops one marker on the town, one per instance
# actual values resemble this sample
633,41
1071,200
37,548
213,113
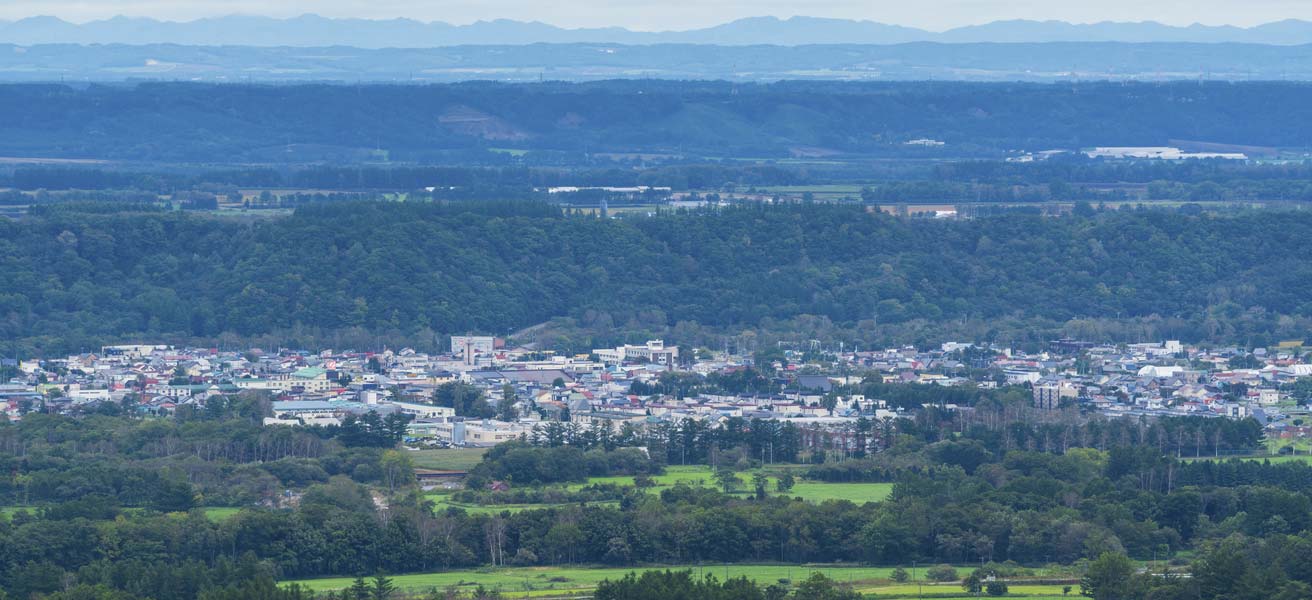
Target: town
483,391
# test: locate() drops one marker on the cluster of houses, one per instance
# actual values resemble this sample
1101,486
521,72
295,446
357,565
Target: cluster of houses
527,386
1169,379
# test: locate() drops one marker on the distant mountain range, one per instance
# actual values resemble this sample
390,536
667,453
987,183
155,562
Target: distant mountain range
1041,62
317,31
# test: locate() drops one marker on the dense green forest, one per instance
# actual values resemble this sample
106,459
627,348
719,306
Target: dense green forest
362,273
112,506
337,123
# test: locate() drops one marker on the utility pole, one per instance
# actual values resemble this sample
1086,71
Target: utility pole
920,592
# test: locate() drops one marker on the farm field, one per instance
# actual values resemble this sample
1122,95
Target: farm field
447,459
552,581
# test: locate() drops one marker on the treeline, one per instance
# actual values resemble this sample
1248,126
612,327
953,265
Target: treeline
517,463
681,384
217,456
1077,169
119,198
413,272
681,585
970,438
486,182
735,442
1065,180
1240,190
1234,473
1003,427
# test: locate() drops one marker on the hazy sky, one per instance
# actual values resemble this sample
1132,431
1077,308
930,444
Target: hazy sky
683,14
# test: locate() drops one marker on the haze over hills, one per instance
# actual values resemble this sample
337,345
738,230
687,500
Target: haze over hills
313,30
210,124
1042,62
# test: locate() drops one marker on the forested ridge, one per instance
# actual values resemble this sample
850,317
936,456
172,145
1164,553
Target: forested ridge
76,279
277,123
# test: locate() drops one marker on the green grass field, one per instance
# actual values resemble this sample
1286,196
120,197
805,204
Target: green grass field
1298,446
549,581
220,513
450,459
859,493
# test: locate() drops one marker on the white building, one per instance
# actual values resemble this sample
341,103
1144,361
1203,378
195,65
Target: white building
310,379
653,351
472,433
470,346
1159,153
1159,371
425,411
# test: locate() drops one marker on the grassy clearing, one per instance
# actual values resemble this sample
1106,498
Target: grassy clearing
859,493
449,459
1297,446
8,511
1300,458
220,513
